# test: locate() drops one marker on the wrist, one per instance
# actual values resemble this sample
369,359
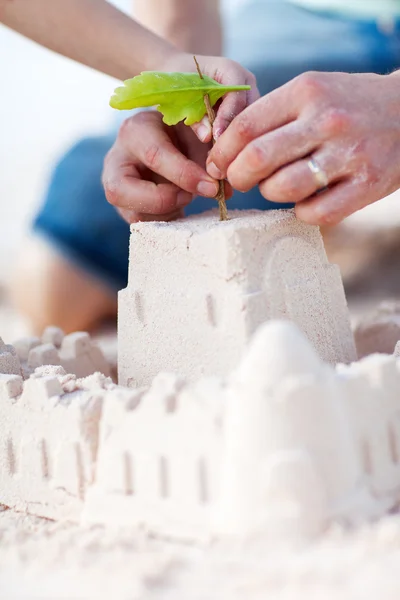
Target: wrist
178,62
190,25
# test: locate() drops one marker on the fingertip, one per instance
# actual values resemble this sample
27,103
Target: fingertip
213,170
221,124
306,214
203,130
130,216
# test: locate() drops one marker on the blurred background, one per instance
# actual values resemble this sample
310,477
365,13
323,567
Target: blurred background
48,102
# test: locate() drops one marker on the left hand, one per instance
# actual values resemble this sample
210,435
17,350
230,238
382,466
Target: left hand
227,72
349,124
153,171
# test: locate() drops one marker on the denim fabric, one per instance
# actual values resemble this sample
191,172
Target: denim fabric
274,39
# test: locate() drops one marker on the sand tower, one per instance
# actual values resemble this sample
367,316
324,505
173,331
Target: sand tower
198,289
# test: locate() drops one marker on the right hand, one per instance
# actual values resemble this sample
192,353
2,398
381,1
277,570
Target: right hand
153,171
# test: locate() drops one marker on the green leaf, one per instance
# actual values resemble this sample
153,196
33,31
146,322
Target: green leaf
178,96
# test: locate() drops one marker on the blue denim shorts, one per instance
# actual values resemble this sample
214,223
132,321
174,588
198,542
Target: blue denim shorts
274,39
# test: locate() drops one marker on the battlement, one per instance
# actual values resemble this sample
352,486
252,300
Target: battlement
75,352
284,446
49,442
235,419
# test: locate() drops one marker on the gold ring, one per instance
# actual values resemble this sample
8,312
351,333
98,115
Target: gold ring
320,176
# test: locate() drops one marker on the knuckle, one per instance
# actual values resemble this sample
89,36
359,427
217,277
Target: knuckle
371,173
161,200
257,155
140,118
362,163
280,190
245,127
152,156
332,217
287,190
310,85
185,178
335,121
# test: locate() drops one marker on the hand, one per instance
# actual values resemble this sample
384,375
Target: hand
227,72
348,123
153,170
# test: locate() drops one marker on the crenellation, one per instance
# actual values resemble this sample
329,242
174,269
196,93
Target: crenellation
283,447
41,393
10,387
239,421
53,335
23,346
75,352
45,354
9,361
378,331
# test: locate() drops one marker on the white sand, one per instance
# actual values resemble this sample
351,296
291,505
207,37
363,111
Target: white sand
44,560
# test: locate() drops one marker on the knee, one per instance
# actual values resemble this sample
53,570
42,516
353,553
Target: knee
47,290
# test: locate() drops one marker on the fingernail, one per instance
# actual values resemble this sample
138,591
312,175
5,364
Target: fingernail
213,170
203,132
206,188
217,132
183,199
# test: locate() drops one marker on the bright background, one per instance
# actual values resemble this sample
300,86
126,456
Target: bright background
47,103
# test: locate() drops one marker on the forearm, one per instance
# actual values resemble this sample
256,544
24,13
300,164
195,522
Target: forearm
92,32
191,25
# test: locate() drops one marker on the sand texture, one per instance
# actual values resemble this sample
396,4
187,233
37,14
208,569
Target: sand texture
198,290
269,473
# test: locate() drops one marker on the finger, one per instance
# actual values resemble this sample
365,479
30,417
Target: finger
233,104
149,143
335,204
131,216
266,114
296,182
203,130
126,189
269,152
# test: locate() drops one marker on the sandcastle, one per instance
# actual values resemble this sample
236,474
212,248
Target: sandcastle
283,445
198,290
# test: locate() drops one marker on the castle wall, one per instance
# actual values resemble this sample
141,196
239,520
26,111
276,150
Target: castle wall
198,289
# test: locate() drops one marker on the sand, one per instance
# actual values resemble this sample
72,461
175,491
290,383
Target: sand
42,560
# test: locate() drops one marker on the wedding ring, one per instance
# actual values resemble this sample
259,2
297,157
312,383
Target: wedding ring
320,176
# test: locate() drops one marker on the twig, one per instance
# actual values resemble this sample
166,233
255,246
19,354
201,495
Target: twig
220,197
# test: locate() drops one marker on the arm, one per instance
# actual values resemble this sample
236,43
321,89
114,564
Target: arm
191,25
92,32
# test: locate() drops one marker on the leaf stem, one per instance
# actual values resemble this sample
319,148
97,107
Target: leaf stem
220,197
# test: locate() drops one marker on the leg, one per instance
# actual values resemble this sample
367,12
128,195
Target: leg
59,292
72,266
